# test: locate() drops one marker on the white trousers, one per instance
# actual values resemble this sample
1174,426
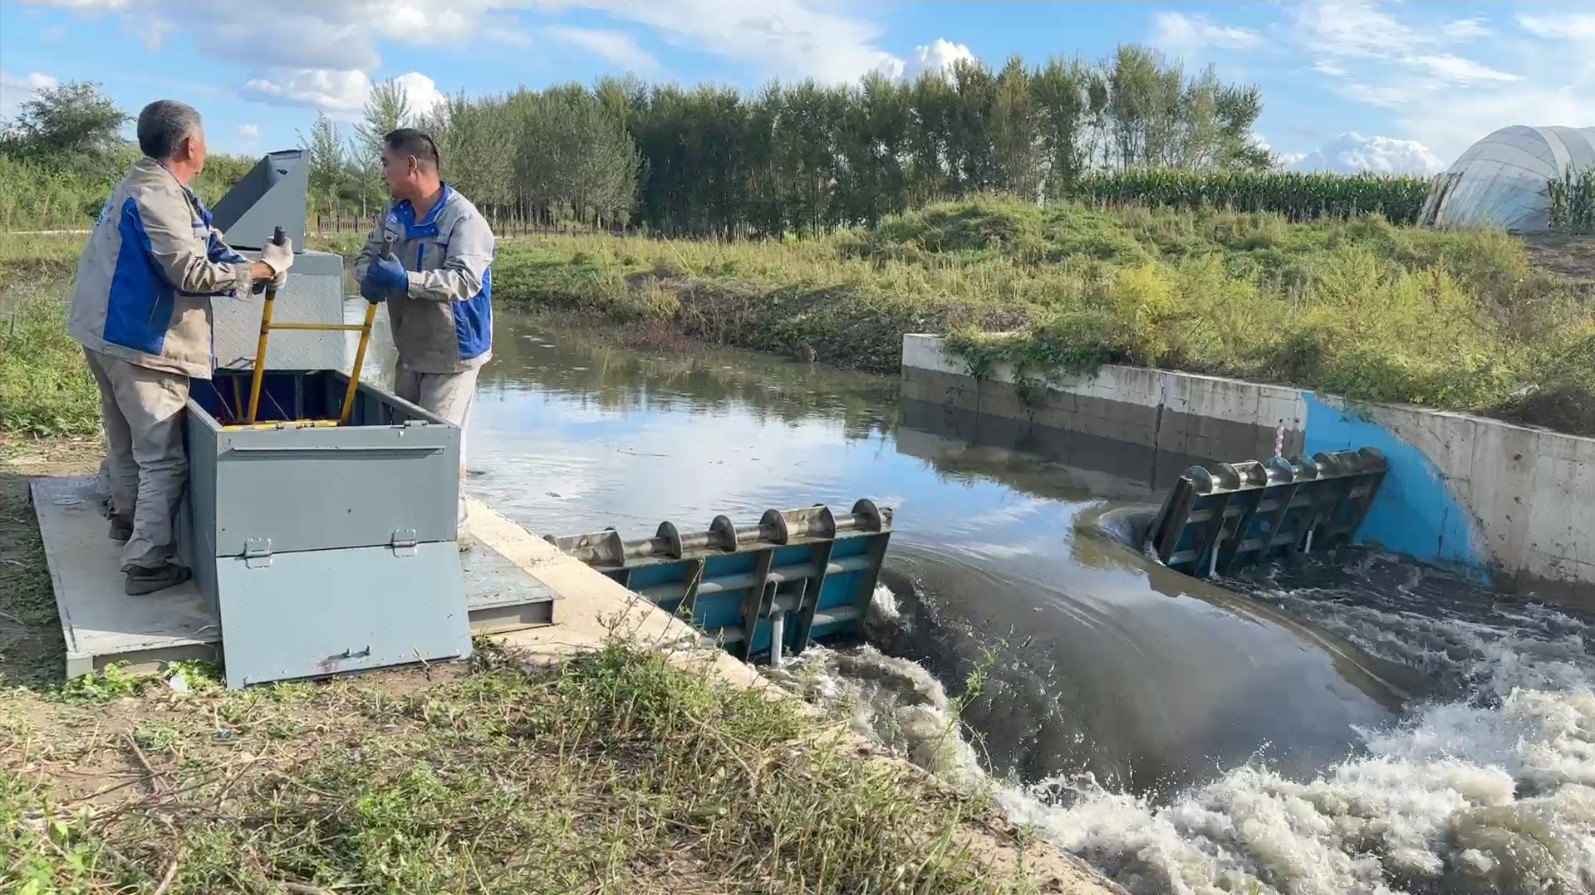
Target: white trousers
145,462
449,395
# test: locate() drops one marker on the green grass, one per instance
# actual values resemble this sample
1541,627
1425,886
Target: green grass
612,772
1457,320
45,387
1360,308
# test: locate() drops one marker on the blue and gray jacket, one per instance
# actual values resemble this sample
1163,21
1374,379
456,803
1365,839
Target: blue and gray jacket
443,321
148,272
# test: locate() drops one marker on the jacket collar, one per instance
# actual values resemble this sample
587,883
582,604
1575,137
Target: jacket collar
407,211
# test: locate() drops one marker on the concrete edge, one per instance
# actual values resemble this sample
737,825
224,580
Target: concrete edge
75,656
592,607
1461,489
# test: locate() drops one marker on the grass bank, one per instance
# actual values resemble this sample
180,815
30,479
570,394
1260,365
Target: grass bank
617,771
45,387
1453,320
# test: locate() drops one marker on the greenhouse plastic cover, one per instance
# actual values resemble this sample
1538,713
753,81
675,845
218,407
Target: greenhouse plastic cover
1502,180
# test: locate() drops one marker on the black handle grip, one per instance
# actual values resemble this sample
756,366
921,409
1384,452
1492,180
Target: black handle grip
278,237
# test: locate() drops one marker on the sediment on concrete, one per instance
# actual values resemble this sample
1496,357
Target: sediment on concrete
1513,503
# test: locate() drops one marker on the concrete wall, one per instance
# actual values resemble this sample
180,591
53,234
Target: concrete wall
1517,505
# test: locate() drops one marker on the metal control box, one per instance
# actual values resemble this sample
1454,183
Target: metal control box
324,549
273,194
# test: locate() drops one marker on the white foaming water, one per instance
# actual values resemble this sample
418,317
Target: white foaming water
1493,791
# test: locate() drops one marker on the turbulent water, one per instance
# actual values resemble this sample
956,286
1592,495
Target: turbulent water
1489,790
1355,726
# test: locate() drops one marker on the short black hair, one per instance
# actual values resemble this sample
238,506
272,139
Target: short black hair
409,141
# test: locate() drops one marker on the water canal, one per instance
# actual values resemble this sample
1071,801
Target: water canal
1363,727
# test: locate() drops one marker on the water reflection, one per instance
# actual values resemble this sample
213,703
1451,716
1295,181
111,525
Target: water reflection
1096,660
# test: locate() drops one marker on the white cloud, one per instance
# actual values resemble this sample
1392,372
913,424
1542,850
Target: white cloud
1397,56
319,35
616,47
1465,29
937,57
1354,29
790,39
18,89
420,93
249,131
1577,26
1457,70
1285,159
1351,152
1177,31
341,94
83,5
338,93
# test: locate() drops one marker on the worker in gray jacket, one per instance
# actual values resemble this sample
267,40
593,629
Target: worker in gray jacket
437,284
141,308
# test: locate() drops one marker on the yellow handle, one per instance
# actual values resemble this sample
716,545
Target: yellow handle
277,238
260,352
359,363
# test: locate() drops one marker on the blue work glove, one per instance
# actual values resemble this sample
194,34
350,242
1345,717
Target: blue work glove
371,292
385,275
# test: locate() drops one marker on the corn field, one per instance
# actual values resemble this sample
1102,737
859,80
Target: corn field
1299,196
1573,202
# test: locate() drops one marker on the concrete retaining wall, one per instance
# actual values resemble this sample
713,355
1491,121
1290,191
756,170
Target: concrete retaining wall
1515,504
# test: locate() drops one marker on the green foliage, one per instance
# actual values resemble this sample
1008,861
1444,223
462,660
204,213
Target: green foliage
71,124
102,686
1360,307
1573,202
45,386
1298,196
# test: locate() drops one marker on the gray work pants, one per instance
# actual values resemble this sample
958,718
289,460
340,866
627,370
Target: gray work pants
142,411
449,395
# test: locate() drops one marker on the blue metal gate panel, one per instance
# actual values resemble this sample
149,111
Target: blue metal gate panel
808,572
1216,521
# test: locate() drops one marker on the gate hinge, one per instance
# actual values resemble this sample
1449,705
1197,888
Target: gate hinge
404,542
257,553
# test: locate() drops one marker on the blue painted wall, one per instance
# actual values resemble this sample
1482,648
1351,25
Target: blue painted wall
1414,512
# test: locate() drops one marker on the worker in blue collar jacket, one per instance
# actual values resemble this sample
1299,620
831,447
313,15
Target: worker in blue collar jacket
437,283
141,309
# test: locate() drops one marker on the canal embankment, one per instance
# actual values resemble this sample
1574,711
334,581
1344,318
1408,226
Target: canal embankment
1514,503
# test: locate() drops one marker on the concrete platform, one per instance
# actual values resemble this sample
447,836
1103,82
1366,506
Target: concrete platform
101,624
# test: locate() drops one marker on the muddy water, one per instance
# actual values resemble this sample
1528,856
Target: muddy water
1361,728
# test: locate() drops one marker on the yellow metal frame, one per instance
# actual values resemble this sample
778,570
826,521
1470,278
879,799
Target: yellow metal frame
266,326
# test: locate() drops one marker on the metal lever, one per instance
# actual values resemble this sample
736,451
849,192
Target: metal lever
365,340
277,238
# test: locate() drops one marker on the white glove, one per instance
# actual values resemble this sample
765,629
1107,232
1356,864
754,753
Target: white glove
278,257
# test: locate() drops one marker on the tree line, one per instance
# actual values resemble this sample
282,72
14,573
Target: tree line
804,157
715,161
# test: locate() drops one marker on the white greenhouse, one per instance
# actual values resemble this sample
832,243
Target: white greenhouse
1502,180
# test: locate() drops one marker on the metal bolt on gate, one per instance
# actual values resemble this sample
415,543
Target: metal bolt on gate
769,588
1215,521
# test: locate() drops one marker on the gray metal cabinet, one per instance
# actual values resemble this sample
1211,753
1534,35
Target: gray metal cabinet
324,549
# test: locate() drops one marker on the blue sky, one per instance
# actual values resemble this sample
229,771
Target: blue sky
1347,84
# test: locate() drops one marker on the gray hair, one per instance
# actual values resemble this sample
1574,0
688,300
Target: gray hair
162,126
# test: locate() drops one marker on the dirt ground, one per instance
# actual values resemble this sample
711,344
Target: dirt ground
1571,256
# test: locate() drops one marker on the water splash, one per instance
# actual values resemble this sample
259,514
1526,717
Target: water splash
1489,789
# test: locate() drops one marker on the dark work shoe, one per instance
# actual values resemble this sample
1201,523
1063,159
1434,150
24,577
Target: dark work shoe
121,528
142,581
